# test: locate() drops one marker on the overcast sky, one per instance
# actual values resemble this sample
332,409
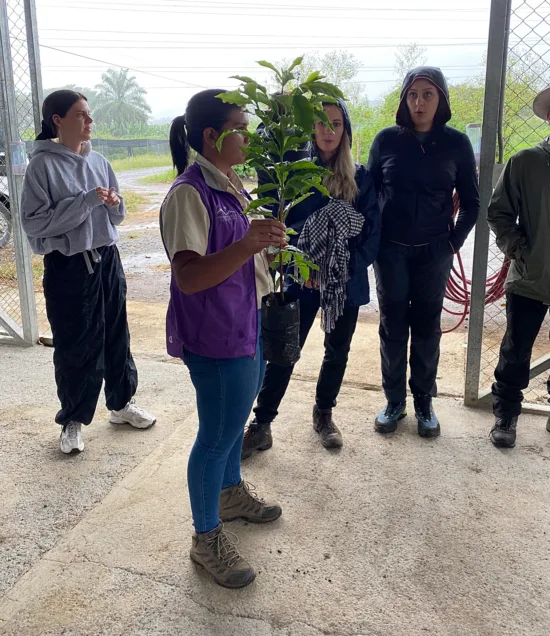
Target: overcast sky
177,47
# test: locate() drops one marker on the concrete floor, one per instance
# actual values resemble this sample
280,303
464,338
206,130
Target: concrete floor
393,536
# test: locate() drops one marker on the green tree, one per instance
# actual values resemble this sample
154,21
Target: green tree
121,101
527,75
90,93
338,67
409,56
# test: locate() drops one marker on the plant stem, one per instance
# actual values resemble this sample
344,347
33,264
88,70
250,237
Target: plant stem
281,265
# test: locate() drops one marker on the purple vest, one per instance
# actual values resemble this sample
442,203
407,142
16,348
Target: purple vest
220,322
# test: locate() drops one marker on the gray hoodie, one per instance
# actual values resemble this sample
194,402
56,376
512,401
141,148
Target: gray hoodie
60,208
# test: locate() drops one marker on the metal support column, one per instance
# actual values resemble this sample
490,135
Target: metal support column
35,68
28,333
494,87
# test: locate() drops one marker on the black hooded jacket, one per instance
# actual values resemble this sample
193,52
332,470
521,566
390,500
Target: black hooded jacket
415,180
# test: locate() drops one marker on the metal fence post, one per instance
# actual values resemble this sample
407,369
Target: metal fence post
25,281
34,63
496,63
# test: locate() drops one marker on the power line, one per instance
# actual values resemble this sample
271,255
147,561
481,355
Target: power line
254,47
280,44
230,35
384,81
237,35
233,70
216,12
86,57
255,6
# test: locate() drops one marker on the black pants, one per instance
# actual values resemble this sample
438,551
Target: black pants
411,283
87,314
337,346
524,319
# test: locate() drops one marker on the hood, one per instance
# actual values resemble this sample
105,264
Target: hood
347,119
59,149
436,77
541,105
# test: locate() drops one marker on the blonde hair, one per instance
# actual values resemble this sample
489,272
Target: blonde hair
341,183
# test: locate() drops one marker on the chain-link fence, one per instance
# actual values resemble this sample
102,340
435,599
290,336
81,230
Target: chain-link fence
527,73
23,70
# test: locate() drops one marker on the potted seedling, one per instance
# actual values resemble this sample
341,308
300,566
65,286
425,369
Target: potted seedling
288,117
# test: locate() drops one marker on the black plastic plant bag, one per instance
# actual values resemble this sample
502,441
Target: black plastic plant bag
281,330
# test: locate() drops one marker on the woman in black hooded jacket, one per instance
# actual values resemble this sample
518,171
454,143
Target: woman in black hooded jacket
416,166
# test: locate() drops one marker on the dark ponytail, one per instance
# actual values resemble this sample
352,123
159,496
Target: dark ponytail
204,110
57,103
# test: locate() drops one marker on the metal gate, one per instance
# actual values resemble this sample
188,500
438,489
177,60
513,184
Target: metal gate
22,311
518,67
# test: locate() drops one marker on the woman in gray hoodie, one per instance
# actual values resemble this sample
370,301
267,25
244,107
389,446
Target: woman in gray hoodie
70,209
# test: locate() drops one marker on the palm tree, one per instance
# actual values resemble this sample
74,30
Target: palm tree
120,100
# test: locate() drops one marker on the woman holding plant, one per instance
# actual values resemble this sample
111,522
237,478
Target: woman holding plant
219,276
352,184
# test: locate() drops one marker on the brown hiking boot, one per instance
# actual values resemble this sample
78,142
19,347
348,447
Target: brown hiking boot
216,552
257,437
327,429
241,502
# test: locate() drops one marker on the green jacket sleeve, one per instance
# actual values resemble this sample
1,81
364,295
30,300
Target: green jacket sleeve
504,212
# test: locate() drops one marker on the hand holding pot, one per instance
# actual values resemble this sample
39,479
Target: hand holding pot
262,233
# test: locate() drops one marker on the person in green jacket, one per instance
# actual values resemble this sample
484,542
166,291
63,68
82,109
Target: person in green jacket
519,215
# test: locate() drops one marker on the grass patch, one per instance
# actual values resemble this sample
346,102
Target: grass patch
162,177
140,162
8,272
134,202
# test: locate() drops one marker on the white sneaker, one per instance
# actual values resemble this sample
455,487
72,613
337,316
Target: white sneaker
71,438
133,415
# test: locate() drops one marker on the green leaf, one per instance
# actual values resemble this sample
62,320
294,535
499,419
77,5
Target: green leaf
224,134
248,80
304,164
294,142
316,75
285,100
296,201
303,113
291,232
321,189
266,187
258,203
296,63
304,272
270,66
322,116
234,97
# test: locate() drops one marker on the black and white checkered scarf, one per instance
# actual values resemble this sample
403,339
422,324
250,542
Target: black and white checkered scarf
325,239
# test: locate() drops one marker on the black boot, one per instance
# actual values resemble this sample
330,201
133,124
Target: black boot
387,419
503,433
257,437
428,424
327,429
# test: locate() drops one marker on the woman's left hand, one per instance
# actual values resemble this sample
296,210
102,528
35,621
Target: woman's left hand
113,200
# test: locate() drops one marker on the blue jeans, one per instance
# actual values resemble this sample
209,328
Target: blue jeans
226,390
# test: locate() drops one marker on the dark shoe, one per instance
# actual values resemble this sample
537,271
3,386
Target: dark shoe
503,433
428,424
257,437
216,552
387,419
241,502
327,429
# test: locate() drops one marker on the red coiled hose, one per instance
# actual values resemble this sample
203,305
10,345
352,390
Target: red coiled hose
459,286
